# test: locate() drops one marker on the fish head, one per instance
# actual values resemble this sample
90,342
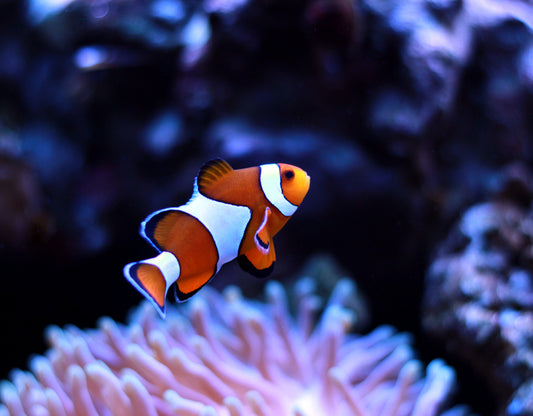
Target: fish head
295,183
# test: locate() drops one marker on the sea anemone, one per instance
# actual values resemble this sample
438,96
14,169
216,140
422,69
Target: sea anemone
222,354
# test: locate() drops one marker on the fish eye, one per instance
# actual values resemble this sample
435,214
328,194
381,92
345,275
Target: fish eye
289,174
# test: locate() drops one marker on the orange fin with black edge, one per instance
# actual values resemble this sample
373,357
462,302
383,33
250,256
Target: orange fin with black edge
185,287
210,173
257,263
157,227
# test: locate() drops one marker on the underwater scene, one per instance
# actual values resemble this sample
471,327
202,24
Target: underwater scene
152,153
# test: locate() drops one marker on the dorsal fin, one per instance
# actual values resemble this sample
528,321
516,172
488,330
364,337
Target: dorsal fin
210,173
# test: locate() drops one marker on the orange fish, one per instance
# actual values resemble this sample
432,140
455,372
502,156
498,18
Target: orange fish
231,214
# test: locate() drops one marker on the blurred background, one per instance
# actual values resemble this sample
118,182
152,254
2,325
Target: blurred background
405,113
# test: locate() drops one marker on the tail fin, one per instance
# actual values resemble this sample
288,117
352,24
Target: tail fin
153,277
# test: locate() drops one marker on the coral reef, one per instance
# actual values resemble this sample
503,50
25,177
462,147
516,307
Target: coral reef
222,354
479,295
404,112
117,85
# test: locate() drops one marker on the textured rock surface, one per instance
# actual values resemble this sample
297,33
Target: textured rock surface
479,299
131,90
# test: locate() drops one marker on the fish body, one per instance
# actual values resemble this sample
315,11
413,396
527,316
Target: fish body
231,214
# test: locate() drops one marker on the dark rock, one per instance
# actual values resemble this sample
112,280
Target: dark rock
404,112
156,24
479,297
327,158
336,29
24,222
433,51
164,134
168,11
445,10
41,144
522,400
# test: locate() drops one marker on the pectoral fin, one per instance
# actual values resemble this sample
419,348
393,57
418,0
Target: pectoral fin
262,235
259,261
185,287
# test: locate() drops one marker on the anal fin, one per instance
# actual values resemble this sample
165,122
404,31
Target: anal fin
257,263
186,286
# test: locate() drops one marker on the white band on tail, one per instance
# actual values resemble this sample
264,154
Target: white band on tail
169,266
271,185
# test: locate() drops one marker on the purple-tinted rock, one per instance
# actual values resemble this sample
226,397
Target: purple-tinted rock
522,400
328,159
445,10
24,221
335,26
164,134
41,144
169,11
479,298
435,48
395,112
403,111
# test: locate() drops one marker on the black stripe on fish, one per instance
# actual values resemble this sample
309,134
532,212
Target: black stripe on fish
248,267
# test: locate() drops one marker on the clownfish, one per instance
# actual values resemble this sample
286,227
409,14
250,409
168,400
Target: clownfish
231,214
